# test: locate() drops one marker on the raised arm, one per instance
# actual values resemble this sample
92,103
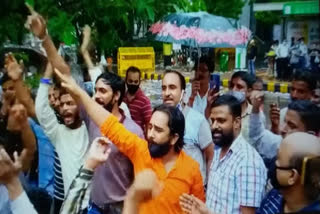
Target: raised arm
18,122
44,112
37,25
127,142
15,70
84,47
264,141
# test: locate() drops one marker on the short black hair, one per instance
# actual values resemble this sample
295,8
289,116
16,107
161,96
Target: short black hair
308,112
245,76
115,82
176,123
205,60
181,77
307,77
133,69
230,101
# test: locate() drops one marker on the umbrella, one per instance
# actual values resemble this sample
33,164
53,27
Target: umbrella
200,29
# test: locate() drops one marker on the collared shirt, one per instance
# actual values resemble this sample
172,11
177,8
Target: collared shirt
118,169
184,177
77,197
199,103
197,137
140,108
273,203
264,141
238,179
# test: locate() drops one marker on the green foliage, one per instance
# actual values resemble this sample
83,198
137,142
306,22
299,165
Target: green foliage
112,21
268,17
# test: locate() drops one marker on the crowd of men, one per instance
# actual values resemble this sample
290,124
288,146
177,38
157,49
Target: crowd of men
199,152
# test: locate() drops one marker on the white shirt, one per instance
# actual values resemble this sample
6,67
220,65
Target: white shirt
282,51
70,144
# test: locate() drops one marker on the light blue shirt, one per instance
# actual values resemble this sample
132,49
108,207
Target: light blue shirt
4,200
263,140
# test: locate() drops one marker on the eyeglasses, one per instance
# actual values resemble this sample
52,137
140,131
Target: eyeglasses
284,168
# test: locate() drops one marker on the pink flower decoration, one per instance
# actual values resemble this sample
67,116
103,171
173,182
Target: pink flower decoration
233,37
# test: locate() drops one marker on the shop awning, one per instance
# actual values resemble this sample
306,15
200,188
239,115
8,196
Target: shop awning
301,8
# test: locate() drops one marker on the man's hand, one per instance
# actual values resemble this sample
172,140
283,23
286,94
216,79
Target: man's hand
9,170
69,84
86,38
257,99
192,205
98,153
13,68
145,186
36,24
18,118
195,86
275,118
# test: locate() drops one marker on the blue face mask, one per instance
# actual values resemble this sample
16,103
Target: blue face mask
241,96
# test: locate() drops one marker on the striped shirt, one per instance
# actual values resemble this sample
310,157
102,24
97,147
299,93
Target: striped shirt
238,179
78,195
140,108
58,180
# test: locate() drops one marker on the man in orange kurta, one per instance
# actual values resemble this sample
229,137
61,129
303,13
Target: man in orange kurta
162,152
183,177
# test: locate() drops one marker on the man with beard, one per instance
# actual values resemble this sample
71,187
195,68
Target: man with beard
70,139
197,135
138,104
302,88
108,194
162,152
237,176
295,177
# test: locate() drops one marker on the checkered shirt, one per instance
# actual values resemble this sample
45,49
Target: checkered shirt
238,179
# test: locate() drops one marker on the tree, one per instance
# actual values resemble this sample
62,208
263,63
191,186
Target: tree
112,21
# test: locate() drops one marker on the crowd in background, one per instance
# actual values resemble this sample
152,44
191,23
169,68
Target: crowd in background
104,149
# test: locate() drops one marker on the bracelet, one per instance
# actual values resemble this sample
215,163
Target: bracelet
46,81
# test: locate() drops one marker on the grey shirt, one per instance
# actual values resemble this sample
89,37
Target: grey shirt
112,179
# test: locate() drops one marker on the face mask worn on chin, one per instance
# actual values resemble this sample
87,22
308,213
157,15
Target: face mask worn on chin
158,150
179,106
132,89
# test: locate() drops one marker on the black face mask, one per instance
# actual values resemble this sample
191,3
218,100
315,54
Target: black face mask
224,141
158,150
132,89
272,175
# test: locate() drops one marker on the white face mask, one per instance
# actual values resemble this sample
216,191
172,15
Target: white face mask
241,96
